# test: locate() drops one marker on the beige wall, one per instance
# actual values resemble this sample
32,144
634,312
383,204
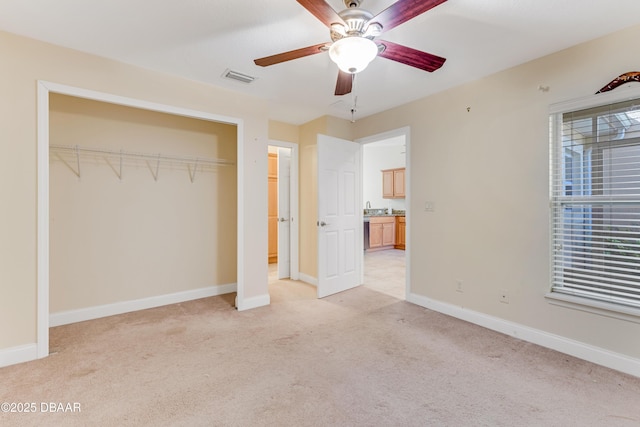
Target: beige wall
487,172
25,62
117,240
284,132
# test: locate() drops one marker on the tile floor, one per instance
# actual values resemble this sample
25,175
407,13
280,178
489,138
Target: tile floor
384,271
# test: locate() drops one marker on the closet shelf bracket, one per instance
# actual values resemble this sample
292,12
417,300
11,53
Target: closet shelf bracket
192,175
155,174
118,172
76,151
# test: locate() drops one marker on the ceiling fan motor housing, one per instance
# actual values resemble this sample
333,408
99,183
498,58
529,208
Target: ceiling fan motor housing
352,3
356,23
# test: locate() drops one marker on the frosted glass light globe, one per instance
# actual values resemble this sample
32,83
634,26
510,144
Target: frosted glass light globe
353,54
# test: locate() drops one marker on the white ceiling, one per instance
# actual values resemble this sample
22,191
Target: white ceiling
200,39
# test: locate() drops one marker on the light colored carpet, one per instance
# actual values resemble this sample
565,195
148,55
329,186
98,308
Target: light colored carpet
359,358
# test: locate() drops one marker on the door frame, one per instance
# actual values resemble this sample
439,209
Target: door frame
406,132
44,88
294,230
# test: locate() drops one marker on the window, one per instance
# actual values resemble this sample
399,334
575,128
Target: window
595,203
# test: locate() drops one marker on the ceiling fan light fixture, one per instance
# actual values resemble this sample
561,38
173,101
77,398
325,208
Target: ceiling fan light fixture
352,54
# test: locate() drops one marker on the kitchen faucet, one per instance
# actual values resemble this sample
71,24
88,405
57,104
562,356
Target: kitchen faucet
368,204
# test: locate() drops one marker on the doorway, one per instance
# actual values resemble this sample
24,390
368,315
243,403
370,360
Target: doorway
283,216
386,269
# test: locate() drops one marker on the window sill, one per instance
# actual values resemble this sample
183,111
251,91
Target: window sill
615,311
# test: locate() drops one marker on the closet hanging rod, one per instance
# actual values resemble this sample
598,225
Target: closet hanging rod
201,161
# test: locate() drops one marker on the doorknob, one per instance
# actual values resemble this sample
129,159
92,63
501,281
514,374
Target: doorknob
323,224
283,220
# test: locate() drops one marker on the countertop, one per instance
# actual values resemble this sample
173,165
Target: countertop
394,214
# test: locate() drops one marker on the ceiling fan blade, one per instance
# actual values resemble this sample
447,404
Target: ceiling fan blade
344,84
402,11
409,56
288,56
321,10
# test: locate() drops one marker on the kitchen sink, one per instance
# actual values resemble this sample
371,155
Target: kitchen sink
370,211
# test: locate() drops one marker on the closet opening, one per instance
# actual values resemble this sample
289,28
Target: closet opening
140,209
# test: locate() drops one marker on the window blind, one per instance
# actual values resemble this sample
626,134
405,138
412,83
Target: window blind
595,203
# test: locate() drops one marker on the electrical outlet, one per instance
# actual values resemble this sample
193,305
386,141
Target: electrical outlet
504,296
459,286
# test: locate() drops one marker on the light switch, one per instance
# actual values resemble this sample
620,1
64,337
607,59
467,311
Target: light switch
430,206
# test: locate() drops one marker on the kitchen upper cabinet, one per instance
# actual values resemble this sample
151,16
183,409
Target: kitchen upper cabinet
273,208
398,183
393,183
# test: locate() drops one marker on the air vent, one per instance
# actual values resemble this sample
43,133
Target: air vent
235,75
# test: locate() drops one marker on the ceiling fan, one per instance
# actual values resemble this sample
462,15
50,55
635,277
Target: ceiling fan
353,32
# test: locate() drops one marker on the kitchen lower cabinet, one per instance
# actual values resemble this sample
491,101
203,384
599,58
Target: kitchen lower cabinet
382,232
401,231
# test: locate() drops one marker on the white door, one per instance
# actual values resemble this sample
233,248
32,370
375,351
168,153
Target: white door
284,213
340,226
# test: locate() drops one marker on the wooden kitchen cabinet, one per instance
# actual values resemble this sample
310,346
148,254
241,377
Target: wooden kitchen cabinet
382,232
401,231
387,184
273,208
375,235
393,183
389,233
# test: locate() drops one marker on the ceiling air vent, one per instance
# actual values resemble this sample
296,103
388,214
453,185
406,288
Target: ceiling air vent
235,75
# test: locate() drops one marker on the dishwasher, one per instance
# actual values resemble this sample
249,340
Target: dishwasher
366,234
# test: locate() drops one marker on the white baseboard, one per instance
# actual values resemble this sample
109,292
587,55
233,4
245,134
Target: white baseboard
308,279
574,348
80,315
253,302
20,354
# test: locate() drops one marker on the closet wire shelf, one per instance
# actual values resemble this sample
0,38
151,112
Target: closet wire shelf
117,159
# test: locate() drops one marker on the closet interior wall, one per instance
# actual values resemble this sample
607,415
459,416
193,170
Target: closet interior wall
147,229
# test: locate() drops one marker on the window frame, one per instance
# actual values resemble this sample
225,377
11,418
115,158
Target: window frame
627,92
